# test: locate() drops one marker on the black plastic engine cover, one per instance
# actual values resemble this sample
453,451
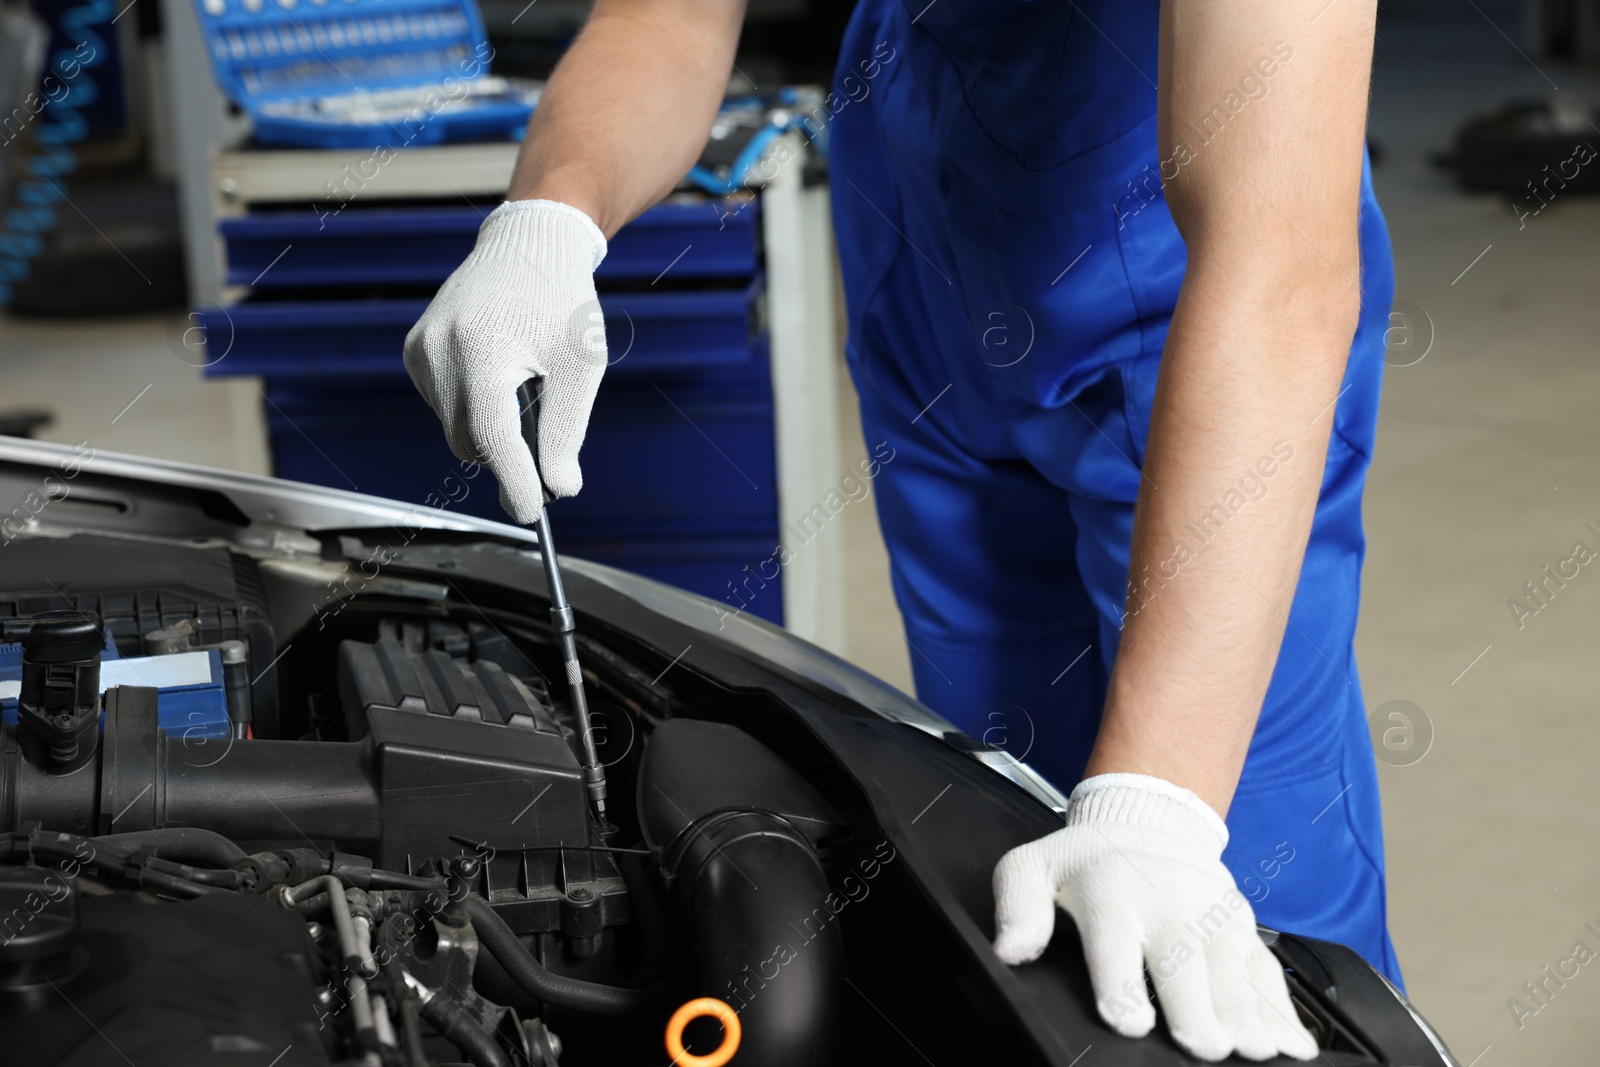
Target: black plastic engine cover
465,753
216,981
387,675
461,751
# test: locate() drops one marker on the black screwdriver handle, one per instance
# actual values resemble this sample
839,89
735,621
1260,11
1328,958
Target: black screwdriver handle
529,398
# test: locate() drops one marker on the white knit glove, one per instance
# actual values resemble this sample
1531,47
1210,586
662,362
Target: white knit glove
522,306
1139,868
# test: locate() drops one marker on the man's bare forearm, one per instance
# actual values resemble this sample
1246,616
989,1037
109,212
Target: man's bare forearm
1236,426
1254,357
628,109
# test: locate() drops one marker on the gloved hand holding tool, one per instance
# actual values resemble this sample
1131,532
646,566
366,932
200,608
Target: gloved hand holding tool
521,306
1139,868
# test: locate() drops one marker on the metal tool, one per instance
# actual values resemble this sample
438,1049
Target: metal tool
561,617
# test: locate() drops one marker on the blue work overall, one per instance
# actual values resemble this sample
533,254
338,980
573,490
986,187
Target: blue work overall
1011,269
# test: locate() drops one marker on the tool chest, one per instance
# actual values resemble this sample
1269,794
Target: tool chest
680,462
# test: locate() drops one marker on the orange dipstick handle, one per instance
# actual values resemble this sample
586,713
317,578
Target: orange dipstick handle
696,1008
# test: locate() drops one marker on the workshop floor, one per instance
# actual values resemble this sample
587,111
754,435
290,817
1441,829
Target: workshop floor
1488,467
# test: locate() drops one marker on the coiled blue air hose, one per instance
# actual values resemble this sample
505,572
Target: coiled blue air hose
43,184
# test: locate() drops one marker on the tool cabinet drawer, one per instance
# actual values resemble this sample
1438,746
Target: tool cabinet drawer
676,457
646,333
324,246
669,457
661,497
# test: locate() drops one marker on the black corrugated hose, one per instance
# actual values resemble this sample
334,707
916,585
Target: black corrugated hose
182,843
452,1019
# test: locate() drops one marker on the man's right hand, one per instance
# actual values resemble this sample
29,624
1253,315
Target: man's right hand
1139,868
522,306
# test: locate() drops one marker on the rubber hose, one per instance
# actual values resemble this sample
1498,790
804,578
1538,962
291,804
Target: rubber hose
314,907
461,1030
108,857
790,1019
225,879
411,1033
182,843
538,981
339,905
405,998
380,879
174,886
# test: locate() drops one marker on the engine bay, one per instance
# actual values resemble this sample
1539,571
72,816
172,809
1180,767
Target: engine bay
289,805
294,778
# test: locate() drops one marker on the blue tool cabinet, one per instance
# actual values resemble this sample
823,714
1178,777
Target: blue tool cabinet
680,465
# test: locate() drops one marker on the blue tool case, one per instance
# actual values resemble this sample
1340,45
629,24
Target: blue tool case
352,73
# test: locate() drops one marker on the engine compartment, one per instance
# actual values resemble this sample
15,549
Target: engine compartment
371,842
284,781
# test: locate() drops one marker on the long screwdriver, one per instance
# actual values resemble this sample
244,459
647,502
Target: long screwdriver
561,617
